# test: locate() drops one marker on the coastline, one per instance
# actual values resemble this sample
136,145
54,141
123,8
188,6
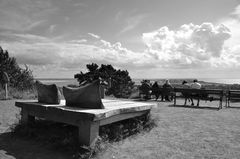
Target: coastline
175,81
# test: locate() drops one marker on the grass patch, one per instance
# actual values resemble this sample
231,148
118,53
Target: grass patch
63,137
14,93
181,132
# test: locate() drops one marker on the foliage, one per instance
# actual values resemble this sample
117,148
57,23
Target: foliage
19,78
119,82
15,93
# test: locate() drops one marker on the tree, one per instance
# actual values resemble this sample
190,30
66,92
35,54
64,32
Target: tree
119,82
19,77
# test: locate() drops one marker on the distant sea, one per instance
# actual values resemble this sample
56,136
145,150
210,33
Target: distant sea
65,82
208,80
221,80
59,81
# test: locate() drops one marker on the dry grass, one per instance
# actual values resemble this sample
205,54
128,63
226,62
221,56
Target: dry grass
8,114
184,132
181,132
14,93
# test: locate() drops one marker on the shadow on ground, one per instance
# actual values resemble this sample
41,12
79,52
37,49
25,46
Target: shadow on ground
40,140
195,107
12,146
234,107
49,140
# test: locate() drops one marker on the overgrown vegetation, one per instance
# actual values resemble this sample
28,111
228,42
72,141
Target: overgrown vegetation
15,93
20,78
119,83
65,137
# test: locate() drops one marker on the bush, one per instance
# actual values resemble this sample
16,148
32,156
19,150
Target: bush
15,93
19,78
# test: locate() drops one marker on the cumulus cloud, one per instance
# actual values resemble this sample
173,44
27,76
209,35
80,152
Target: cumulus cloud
236,12
43,52
232,21
193,46
189,46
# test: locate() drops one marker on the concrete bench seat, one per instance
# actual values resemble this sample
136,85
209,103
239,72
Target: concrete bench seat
88,121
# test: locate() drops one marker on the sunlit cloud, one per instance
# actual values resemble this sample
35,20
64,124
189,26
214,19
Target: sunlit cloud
233,23
47,35
189,46
236,12
46,52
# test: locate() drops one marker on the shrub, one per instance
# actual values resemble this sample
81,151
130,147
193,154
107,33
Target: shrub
15,93
119,82
19,78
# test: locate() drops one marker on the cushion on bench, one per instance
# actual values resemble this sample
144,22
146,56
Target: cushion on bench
87,96
48,94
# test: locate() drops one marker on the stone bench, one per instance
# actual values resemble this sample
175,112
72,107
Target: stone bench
88,121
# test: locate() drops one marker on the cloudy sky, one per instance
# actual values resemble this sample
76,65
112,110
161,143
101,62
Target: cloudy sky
149,38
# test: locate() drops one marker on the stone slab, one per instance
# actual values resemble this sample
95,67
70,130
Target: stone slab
112,107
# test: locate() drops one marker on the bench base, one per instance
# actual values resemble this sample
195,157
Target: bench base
88,121
88,131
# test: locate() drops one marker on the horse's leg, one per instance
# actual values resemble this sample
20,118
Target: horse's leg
198,102
158,95
185,102
192,102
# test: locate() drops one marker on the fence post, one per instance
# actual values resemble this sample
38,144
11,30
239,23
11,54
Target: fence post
5,82
6,91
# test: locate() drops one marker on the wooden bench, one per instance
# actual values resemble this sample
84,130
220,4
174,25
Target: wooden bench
88,121
199,94
167,92
144,95
161,91
232,96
